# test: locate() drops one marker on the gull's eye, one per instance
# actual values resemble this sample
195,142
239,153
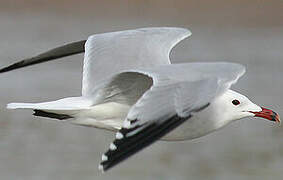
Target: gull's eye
236,102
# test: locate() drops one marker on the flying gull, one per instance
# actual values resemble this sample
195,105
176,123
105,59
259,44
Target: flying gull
130,86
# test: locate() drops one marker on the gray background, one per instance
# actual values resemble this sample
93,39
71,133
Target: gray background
247,32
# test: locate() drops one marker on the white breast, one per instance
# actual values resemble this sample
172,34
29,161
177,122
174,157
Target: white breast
200,124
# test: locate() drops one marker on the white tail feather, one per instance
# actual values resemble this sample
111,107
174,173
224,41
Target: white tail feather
72,103
21,106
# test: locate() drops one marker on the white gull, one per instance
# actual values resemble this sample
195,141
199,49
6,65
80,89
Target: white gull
131,87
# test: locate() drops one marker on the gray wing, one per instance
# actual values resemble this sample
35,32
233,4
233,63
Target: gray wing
109,53
53,54
174,97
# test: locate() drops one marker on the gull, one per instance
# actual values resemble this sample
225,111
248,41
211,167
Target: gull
130,87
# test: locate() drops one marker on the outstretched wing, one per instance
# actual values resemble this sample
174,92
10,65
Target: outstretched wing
59,52
109,53
178,92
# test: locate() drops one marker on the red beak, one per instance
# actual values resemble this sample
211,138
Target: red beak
267,114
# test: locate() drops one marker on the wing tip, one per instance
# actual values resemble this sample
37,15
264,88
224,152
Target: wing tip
101,168
7,68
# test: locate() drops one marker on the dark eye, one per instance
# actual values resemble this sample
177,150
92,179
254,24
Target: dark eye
236,102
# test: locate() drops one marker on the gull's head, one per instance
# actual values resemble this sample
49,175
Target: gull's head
237,106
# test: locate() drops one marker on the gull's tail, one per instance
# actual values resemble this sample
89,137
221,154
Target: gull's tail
61,109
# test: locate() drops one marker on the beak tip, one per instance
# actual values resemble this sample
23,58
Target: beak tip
268,114
277,119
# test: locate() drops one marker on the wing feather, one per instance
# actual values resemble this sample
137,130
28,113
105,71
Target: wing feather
147,134
109,53
53,54
171,100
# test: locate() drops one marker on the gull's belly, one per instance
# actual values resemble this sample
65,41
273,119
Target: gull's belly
194,127
109,116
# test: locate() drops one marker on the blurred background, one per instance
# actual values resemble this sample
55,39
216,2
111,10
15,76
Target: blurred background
247,32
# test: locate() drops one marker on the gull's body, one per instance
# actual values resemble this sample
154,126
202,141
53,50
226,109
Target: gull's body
130,86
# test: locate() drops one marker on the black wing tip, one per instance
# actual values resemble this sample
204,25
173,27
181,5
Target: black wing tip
5,69
12,67
127,145
59,52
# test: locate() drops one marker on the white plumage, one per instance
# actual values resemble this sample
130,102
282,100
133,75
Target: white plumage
130,86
